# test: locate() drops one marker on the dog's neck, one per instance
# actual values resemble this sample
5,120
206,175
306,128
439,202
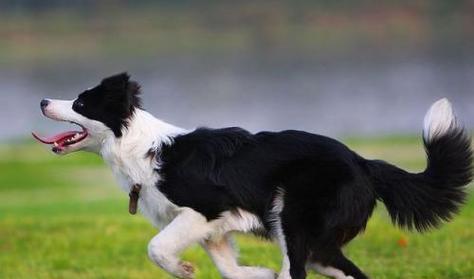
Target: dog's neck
128,155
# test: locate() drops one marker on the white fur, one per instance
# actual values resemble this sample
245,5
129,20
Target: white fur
241,220
438,120
278,205
330,271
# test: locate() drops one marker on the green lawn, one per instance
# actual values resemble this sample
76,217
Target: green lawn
63,217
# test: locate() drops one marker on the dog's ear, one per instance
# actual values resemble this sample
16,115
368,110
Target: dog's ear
133,92
120,87
117,83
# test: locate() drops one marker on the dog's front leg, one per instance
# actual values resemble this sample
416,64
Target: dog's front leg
187,228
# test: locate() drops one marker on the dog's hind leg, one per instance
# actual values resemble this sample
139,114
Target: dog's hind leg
224,256
293,245
297,255
188,228
291,241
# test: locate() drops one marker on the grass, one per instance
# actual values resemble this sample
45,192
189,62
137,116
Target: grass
65,218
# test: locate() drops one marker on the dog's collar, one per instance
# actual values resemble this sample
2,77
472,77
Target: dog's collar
133,202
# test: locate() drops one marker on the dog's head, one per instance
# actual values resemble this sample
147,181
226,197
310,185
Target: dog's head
101,112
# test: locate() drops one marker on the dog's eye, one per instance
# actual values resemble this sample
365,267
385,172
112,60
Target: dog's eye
78,104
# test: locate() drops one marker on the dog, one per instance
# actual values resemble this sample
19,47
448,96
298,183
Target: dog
309,193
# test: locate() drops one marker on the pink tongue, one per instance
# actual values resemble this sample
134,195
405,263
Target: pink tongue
56,138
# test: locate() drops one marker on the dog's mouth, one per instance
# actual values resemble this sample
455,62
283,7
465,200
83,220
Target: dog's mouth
63,140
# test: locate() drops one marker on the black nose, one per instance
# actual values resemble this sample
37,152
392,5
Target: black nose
44,103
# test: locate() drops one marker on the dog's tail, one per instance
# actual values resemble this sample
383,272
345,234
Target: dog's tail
423,200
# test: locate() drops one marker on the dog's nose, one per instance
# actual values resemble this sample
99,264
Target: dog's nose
44,103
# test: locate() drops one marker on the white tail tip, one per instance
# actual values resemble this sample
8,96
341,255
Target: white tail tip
439,120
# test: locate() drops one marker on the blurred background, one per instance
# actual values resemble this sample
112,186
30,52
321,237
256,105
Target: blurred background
333,67
362,71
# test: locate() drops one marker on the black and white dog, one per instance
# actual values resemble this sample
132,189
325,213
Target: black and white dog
308,192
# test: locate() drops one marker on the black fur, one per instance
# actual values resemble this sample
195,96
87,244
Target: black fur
111,102
330,191
422,201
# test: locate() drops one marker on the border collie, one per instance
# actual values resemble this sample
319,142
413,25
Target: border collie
310,193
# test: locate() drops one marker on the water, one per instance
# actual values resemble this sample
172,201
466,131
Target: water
335,98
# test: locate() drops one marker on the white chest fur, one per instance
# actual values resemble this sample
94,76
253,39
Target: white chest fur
127,157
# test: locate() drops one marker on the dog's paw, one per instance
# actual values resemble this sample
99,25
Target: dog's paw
186,270
349,277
